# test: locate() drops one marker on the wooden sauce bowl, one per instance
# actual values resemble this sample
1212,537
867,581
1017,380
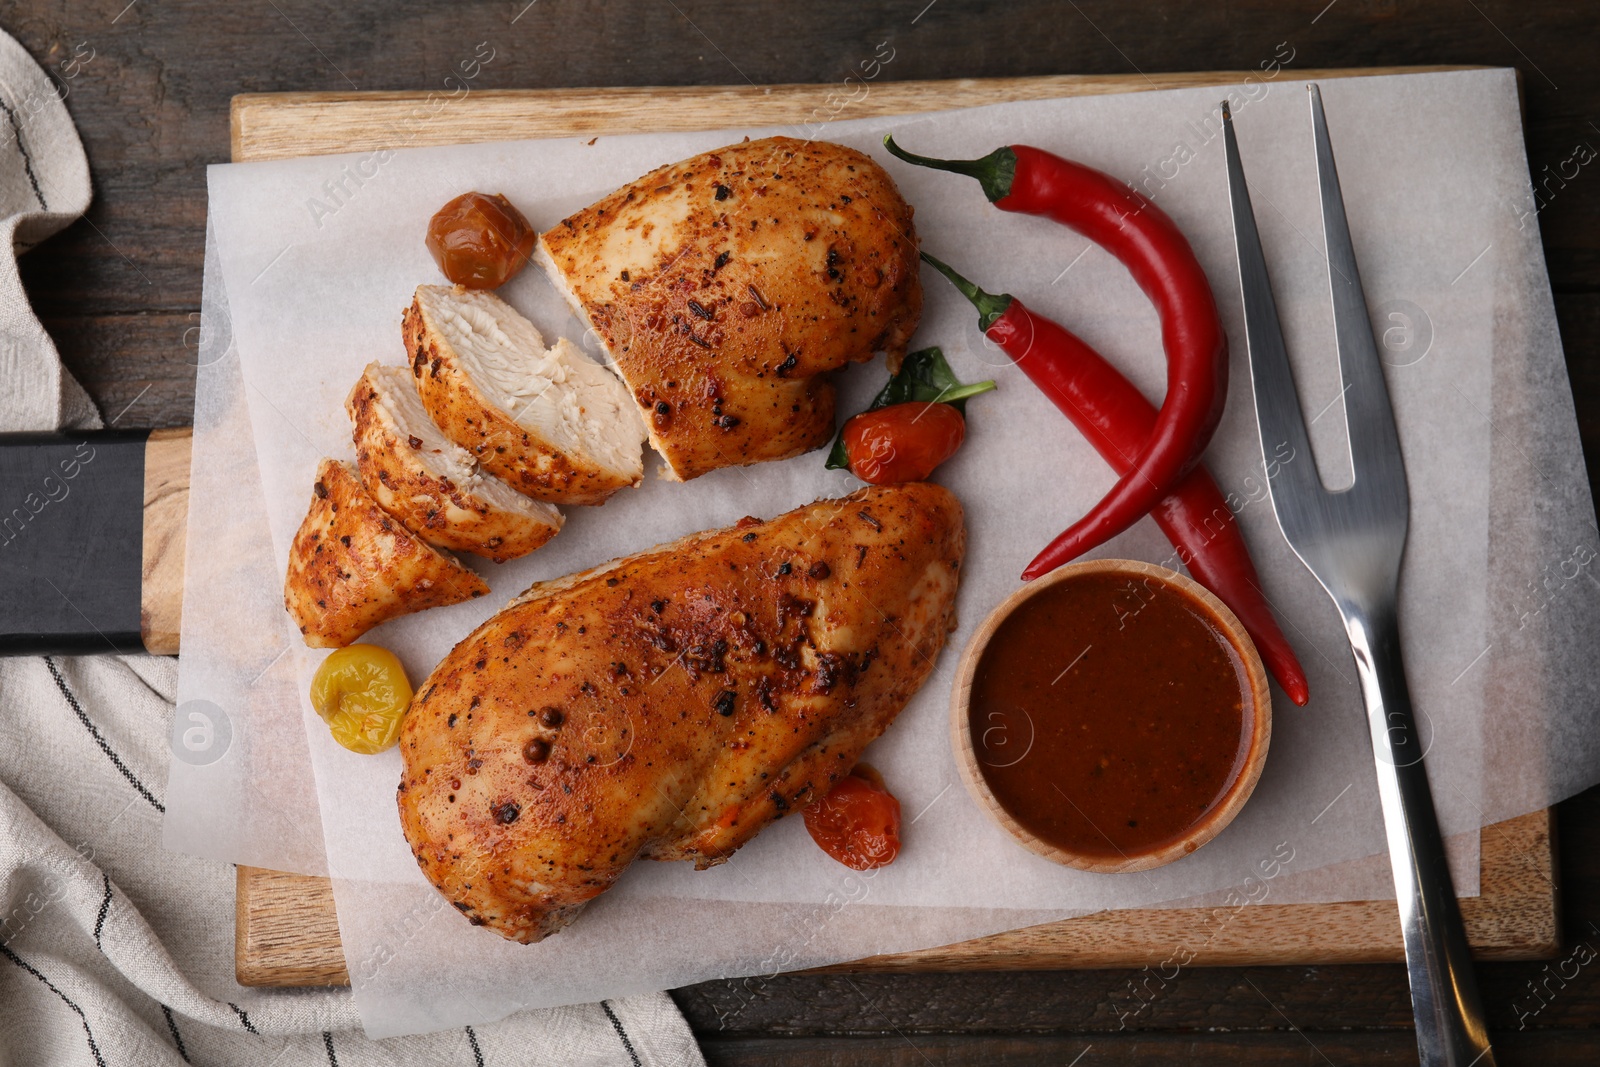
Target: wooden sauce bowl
1258,705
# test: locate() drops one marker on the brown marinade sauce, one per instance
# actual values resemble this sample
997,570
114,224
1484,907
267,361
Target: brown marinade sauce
1108,714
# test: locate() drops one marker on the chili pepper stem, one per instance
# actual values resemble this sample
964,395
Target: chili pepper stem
994,171
990,305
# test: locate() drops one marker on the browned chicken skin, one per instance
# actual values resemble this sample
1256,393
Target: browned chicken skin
672,703
722,285
353,566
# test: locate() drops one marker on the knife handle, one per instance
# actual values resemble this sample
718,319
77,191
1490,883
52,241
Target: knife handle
92,541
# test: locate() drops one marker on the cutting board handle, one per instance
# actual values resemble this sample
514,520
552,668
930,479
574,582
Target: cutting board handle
166,520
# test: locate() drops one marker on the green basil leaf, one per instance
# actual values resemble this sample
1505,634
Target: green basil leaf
837,460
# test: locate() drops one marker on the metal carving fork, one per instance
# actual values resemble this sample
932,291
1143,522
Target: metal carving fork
1352,541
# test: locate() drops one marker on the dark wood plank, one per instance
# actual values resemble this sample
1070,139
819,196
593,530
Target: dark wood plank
1370,996
138,366
1287,1049
1579,318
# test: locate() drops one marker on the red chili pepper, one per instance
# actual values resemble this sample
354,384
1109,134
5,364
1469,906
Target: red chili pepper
1130,227
1116,418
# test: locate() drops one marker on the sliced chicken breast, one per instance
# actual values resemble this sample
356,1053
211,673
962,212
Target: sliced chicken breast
673,703
432,484
551,421
723,285
352,565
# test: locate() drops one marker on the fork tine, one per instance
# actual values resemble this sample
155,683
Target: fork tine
1369,417
1278,416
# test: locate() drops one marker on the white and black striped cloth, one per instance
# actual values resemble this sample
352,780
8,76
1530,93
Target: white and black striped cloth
113,951
44,185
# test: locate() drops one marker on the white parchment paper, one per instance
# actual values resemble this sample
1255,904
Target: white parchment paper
313,298
240,788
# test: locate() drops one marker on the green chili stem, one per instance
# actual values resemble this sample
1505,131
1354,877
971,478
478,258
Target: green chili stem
994,171
990,305
963,392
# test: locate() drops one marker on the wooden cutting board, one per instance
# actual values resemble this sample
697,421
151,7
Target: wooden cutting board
288,933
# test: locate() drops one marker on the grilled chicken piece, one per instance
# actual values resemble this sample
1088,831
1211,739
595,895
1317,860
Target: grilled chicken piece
430,483
722,285
352,566
551,421
672,703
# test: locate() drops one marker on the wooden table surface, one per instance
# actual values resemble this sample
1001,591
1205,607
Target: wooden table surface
149,82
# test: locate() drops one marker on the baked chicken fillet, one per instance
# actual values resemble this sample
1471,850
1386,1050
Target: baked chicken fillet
671,704
432,484
723,285
550,421
352,565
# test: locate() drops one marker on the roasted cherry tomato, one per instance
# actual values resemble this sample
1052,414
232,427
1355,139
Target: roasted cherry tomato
362,693
480,241
902,442
858,822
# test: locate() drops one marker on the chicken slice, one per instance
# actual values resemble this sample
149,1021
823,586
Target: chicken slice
352,566
672,703
723,285
432,484
551,421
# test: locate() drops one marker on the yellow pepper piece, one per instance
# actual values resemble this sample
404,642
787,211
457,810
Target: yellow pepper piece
362,693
